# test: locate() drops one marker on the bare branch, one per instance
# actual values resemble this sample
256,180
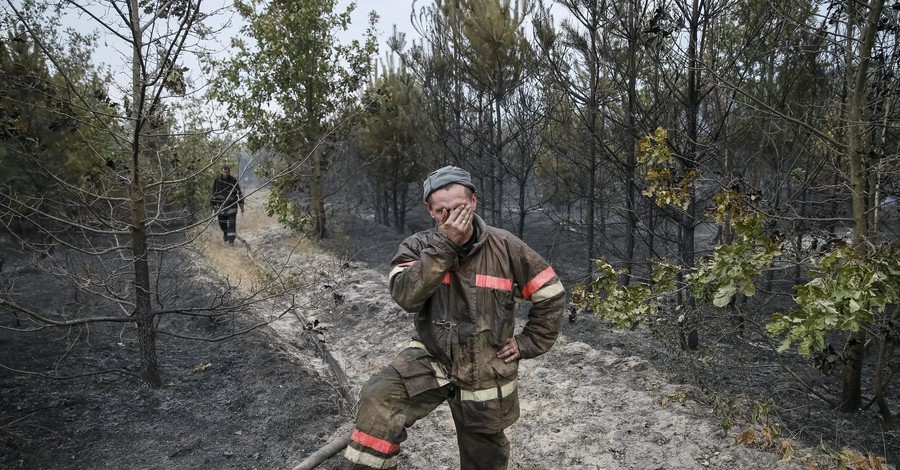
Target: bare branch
43,319
232,335
68,377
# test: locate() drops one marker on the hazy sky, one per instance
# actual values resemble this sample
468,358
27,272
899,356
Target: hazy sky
391,12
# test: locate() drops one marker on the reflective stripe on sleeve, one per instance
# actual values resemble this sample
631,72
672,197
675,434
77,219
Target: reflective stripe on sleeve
402,267
369,460
548,291
397,270
537,282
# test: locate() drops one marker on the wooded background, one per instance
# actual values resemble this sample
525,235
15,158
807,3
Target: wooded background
719,160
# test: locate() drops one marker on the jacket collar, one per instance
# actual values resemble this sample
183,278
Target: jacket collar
482,228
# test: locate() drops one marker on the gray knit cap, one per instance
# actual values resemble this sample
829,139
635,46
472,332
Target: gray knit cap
444,176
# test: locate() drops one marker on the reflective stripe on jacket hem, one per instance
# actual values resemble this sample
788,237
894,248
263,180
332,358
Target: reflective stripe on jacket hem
489,393
486,394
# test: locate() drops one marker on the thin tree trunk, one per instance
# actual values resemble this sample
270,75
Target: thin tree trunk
592,105
885,350
520,227
403,208
499,176
687,232
631,192
143,313
851,393
317,196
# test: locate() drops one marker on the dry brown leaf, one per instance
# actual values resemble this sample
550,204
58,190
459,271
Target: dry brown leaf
747,437
853,459
769,435
810,462
875,462
787,451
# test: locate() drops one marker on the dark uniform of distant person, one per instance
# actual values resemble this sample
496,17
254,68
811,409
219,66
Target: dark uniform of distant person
226,198
464,280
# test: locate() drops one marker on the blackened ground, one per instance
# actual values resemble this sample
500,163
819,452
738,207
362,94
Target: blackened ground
238,403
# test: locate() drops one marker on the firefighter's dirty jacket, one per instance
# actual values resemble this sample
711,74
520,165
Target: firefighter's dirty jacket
226,195
465,305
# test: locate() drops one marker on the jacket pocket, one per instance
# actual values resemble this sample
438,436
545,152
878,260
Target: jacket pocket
503,318
509,402
414,367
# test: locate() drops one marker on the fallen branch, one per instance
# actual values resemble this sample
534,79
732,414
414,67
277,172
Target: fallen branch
335,445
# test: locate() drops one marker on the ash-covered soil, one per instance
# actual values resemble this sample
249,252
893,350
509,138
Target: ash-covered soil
601,398
70,398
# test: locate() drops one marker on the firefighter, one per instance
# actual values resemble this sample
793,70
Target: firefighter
464,281
226,198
